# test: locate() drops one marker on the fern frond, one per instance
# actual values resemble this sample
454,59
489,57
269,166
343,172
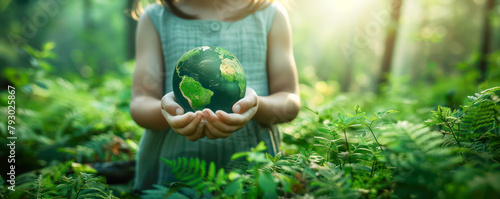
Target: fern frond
193,172
418,158
157,192
332,184
479,116
38,190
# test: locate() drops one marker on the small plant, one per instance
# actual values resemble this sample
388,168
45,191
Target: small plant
368,121
83,186
194,173
86,186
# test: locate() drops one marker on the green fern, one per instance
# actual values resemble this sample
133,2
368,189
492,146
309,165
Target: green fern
368,121
3,189
473,122
39,190
89,148
84,186
333,184
419,159
162,192
193,172
480,119
328,140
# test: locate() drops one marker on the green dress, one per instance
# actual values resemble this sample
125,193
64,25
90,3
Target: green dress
247,40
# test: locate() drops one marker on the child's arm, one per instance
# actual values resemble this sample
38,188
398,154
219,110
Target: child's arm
147,83
283,103
148,103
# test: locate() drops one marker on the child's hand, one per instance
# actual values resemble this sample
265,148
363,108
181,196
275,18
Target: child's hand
188,125
221,124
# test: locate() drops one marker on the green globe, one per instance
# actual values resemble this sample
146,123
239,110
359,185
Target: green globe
208,77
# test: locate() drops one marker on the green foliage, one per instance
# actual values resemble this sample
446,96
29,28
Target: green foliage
354,156
85,186
3,189
196,174
430,149
162,192
58,181
417,156
73,101
57,116
481,117
369,159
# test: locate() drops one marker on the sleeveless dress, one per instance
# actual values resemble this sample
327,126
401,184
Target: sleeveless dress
247,40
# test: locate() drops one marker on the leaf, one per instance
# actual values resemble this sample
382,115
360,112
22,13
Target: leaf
239,155
258,157
260,147
220,179
269,157
320,145
268,185
277,157
286,182
490,90
159,192
350,120
324,130
211,171
17,76
361,167
341,118
4,5
357,109
78,168
49,46
313,111
321,138
365,150
32,51
233,188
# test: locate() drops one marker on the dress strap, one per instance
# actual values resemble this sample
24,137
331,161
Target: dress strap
267,14
155,12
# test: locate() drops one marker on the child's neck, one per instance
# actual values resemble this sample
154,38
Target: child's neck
212,9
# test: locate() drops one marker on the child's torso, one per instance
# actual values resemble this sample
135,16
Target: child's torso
245,38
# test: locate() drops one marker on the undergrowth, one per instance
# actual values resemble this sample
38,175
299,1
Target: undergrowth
400,148
453,154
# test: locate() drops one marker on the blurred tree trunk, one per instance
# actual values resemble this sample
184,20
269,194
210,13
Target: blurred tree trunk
87,10
485,40
390,40
131,26
350,56
88,37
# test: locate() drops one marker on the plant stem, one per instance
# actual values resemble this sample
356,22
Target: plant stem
373,166
453,133
370,128
328,152
256,175
485,133
347,146
450,126
78,192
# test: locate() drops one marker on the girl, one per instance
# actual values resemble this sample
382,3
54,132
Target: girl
258,33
